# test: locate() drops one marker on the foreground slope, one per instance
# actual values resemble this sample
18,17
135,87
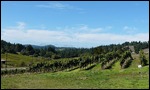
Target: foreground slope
94,78
90,77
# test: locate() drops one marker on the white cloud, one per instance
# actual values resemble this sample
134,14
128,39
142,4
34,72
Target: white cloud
112,37
82,28
129,30
79,37
21,25
36,35
55,5
59,5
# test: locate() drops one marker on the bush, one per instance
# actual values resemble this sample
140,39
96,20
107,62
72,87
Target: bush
14,71
22,64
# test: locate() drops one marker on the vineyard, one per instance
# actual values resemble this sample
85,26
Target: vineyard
89,78
102,68
106,62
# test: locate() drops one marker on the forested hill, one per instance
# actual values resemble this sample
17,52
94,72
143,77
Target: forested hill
68,52
39,47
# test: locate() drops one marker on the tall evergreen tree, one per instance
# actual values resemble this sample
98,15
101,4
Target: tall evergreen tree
142,58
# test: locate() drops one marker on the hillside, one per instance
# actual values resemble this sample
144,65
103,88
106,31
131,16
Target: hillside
146,50
81,79
103,67
39,47
91,77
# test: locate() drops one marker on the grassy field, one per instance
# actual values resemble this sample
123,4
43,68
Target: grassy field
89,78
93,78
18,60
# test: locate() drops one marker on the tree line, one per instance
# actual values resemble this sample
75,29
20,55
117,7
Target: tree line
53,52
47,52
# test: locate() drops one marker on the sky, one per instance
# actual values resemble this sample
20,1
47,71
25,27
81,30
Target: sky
82,24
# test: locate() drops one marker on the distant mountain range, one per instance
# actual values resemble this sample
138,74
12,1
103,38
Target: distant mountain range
38,47
46,46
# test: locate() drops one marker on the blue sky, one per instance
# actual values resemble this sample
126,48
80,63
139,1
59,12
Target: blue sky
74,23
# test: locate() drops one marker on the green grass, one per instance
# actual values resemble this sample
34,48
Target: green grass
117,66
15,60
102,79
91,77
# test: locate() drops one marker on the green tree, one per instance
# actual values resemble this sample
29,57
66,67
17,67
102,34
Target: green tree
19,47
142,58
42,52
29,50
126,59
51,49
